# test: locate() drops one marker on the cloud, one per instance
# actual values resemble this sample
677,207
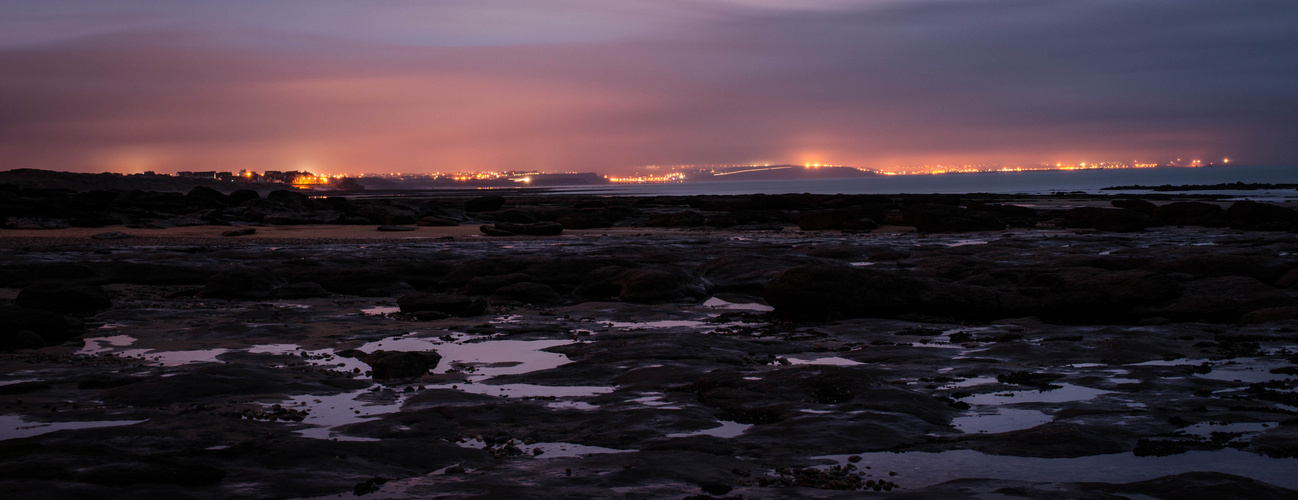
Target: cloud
873,84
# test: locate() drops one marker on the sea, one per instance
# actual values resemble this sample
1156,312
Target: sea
1032,182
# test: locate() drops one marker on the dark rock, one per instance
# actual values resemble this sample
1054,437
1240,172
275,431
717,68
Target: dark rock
658,284
491,230
207,197
487,285
454,305
532,229
292,200
387,365
349,280
151,473
589,219
18,323
303,290
527,293
156,274
484,204
1106,219
860,225
1262,216
1221,300
826,291
1135,204
687,218
245,231
62,297
242,195
940,218
437,221
820,219
397,228
241,283
1191,213
512,216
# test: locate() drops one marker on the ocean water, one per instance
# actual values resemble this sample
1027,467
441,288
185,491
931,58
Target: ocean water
1039,182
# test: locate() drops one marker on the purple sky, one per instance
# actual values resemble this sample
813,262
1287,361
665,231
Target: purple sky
609,86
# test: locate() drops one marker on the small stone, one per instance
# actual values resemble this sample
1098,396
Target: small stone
239,232
112,235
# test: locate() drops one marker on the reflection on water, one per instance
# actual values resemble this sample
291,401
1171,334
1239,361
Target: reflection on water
1002,420
726,430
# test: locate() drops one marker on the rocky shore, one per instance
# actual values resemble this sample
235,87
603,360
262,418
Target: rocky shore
792,346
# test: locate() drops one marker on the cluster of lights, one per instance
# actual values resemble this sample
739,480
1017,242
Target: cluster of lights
648,179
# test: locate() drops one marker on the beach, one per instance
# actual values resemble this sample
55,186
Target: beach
656,361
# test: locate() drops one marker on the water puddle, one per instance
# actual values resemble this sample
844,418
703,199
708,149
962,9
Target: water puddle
545,450
380,310
175,358
1067,393
716,303
726,430
96,345
328,412
917,469
654,325
1002,420
529,390
1207,429
14,427
827,361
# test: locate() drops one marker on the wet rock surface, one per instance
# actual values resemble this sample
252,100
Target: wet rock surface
1039,363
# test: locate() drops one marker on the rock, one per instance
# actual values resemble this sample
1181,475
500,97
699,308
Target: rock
820,219
687,218
18,324
532,229
491,230
1222,299
440,302
1085,295
484,204
657,285
864,225
293,200
111,235
829,291
1262,216
239,196
1191,213
940,218
527,293
207,197
512,216
303,290
387,365
1270,314
241,283
357,280
437,222
63,297
1106,219
747,273
391,228
1135,204
487,285
126,474
31,223
589,219
245,231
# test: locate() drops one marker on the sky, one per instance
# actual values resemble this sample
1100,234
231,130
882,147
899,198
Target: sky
333,86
